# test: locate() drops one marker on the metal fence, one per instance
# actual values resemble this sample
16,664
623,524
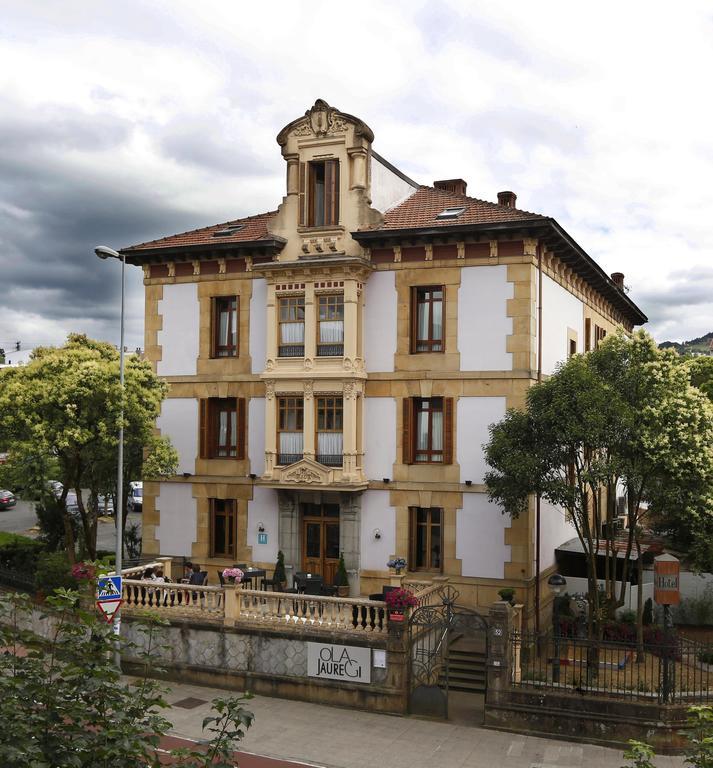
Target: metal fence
21,580
670,669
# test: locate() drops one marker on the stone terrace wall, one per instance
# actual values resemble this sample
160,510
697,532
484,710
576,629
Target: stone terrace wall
270,662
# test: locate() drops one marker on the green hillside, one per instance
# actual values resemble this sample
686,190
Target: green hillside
700,345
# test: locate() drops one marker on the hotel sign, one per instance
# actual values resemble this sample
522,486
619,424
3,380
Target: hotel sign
667,574
347,663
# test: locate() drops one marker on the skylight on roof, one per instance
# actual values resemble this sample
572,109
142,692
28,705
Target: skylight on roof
451,213
228,231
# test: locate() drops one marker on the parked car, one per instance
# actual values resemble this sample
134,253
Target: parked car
7,499
105,504
135,501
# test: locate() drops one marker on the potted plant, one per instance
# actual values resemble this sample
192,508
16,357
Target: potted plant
397,563
233,575
507,595
398,601
279,577
341,580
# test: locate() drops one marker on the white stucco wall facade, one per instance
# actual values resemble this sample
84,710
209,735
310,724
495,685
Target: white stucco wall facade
256,435
176,530
179,334
380,321
179,422
258,325
483,324
560,311
376,512
387,188
473,417
480,537
263,509
379,437
554,530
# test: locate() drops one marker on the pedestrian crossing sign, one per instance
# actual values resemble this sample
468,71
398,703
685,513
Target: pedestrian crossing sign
108,588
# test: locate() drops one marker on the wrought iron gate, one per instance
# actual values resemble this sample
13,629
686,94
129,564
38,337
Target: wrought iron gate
448,648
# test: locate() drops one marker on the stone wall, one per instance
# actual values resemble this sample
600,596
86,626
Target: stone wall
270,662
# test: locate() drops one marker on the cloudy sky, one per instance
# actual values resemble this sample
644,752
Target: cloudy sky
121,122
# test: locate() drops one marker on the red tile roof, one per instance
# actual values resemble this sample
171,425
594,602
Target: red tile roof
422,208
252,228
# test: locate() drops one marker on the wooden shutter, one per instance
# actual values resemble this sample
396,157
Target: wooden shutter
204,430
331,192
587,334
447,430
302,196
407,431
413,318
242,431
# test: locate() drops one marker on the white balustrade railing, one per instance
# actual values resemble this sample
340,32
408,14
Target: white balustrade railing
337,614
171,599
137,570
283,610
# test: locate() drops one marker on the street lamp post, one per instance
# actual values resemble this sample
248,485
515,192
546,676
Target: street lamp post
103,252
557,584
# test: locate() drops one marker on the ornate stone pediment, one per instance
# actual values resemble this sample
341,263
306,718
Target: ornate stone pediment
307,472
322,119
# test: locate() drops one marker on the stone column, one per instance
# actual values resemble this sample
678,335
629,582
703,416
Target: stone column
499,652
270,427
350,319
289,534
310,422
310,326
349,538
272,325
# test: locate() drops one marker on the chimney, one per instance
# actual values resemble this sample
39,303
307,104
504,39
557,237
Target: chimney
455,186
618,278
507,199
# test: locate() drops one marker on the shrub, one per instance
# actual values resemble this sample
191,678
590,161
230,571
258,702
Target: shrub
627,617
19,553
51,521
648,615
54,572
279,574
507,595
696,610
340,577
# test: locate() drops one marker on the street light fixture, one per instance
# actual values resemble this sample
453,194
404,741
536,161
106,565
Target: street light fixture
104,252
557,584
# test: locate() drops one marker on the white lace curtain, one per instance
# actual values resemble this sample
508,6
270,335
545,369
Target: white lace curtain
291,442
292,333
331,331
329,443
436,431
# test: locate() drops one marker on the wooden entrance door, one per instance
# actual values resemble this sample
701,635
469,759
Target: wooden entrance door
320,540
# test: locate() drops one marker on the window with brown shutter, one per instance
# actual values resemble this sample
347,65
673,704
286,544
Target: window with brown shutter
222,428
428,430
323,193
587,334
223,527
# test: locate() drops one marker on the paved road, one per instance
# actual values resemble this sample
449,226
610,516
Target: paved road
22,519
343,738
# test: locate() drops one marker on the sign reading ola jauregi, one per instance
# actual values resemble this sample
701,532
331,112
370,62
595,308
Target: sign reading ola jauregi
339,662
667,574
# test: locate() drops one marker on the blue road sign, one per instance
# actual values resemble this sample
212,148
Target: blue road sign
108,588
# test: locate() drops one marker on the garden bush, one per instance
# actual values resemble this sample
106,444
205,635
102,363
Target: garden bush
54,572
19,553
697,610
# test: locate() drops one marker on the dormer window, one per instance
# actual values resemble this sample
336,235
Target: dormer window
451,213
323,193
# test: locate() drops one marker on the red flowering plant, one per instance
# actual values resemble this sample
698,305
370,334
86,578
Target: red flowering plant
400,599
84,571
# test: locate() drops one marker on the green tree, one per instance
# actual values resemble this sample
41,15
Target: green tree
63,703
66,403
625,414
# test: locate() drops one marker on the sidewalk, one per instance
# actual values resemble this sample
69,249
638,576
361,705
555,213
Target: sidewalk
344,738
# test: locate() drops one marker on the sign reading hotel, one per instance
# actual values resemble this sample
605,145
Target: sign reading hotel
339,662
667,573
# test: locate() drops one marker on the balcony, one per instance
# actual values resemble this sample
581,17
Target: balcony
330,459
330,350
291,350
285,459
